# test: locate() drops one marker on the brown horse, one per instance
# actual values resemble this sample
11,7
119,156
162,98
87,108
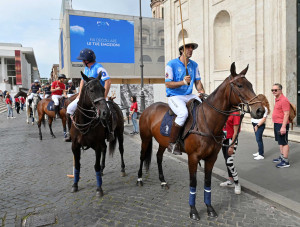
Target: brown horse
42,110
205,143
89,129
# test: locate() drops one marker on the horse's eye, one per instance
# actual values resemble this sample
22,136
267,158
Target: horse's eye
239,86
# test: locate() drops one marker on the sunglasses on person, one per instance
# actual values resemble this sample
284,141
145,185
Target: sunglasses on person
275,90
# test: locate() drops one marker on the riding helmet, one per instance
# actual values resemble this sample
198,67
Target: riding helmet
36,81
87,55
62,76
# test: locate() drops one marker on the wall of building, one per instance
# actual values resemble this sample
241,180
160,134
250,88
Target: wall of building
259,33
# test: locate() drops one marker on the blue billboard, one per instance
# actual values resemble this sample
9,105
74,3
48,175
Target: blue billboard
62,49
111,40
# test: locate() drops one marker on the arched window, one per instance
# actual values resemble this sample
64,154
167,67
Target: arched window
161,38
161,59
147,58
145,37
180,34
222,41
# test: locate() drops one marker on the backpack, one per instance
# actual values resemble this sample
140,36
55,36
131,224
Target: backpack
293,114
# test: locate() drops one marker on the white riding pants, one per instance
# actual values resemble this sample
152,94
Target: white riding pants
46,96
70,95
178,106
55,99
31,96
72,107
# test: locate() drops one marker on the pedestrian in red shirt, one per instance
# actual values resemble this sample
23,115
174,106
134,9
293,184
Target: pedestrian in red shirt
280,118
22,102
58,89
17,104
133,115
231,131
8,101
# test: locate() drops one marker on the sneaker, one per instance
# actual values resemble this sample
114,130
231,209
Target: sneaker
227,183
132,133
277,159
237,189
256,154
283,164
259,157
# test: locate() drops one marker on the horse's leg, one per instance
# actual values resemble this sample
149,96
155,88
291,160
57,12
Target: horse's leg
41,116
193,161
76,154
28,113
209,164
50,119
121,149
97,167
159,157
146,143
102,166
33,116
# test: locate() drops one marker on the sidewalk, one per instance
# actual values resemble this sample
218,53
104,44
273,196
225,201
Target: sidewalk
281,187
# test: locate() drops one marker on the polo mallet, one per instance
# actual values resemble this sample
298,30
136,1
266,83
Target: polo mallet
185,63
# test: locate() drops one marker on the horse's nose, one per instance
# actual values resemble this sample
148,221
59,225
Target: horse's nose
104,113
260,112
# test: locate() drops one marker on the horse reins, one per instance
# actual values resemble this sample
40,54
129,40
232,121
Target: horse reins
241,108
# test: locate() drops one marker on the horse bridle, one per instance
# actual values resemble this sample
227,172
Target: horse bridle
241,108
84,128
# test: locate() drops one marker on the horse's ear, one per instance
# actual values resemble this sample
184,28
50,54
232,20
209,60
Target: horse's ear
245,70
232,69
84,76
99,75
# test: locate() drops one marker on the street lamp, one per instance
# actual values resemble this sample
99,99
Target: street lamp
142,64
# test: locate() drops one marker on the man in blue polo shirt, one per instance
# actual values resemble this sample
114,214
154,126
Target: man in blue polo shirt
35,89
179,87
92,69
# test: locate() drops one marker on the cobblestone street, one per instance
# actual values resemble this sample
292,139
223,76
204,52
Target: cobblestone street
35,189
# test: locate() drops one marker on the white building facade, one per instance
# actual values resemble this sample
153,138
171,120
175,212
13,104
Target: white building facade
262,34
18,67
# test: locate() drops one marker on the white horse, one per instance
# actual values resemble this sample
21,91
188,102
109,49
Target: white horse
32,107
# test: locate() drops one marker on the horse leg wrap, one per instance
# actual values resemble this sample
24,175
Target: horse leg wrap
99,179
207,195
192,199
76,176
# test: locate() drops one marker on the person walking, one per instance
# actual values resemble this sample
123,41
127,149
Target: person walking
280,118
17,104
22,102
259,127
8,101
231,132
133,115
179,87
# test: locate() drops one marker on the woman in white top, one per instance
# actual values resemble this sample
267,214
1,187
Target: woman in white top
259,127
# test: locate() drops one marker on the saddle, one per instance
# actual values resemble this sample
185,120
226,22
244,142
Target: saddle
61,104
167,122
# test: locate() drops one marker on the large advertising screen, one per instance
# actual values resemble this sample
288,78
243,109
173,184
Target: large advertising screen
111,40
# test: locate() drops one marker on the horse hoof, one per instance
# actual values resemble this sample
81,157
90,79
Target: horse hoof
32,123
164,185
211,212
123,174
194,214
41,138
74,189
53,136
140,183
99,192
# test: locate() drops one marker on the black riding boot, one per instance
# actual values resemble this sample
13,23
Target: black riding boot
173,145
29,102
56,108
68,139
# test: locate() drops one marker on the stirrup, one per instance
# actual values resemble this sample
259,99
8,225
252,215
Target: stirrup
173,148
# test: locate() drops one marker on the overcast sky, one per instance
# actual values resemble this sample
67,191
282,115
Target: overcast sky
34,23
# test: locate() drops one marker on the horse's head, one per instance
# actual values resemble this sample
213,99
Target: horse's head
35,99
242,94
96,94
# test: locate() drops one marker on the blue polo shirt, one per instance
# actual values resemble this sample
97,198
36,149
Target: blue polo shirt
35,88
94,72
175,71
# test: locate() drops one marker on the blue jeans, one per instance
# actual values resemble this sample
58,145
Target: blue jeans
10,112
134,122
259,140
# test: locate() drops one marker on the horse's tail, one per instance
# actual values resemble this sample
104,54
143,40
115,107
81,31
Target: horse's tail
112,146
148,155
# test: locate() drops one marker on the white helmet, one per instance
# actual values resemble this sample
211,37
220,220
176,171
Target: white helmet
36,81
70,81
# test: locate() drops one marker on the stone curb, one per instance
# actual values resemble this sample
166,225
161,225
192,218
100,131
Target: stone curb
274,199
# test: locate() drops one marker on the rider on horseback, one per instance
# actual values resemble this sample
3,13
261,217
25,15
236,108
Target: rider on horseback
58,88
179,88
92,69
35,89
